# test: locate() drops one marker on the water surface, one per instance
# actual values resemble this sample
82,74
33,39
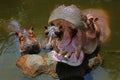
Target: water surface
36,13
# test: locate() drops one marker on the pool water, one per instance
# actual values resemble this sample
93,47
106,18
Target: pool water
36,13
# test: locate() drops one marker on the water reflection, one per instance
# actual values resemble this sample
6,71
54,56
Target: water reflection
98,74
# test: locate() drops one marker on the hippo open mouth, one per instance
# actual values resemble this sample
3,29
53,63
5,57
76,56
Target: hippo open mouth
67,44
71,58
69,50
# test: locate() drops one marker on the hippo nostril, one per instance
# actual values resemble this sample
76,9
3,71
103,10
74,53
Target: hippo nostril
51,48
34,46
28,47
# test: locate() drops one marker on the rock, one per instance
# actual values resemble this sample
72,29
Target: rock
95,62
33,65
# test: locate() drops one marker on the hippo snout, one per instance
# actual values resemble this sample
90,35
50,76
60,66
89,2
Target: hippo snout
32,48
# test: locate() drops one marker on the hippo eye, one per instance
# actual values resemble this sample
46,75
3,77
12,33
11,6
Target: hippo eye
60,27
57,33
21,38
52,24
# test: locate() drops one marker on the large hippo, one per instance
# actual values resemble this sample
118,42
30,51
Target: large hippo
76,36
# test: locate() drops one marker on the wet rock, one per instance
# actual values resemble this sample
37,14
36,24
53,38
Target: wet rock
33,65
95,62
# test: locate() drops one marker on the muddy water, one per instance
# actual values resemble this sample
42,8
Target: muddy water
36,13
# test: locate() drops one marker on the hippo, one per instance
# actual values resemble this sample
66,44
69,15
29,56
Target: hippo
76,36
28,42
27,39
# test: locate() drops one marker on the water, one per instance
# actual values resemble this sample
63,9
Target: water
36,13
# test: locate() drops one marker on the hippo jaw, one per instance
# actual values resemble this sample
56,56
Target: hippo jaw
75,59
69,51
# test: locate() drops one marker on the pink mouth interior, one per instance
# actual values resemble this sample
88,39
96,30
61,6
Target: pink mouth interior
70,46
72,59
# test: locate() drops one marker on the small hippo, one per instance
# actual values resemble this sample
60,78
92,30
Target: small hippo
28,42
27,39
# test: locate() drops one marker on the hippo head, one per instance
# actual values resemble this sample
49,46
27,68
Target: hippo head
70,42
28,42
62,38
81,34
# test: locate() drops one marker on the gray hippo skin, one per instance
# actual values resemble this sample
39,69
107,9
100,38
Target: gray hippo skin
28,42
76,39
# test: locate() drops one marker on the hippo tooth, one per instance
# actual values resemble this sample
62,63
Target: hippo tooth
68,55
59,54
78,51
63,52
53,42
55,48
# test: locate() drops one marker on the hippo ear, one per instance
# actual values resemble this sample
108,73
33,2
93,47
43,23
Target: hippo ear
31,28
52,24
16,33
45,27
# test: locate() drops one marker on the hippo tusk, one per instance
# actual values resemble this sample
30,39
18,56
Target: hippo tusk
53,43
55,48
63,52
78,51
68,55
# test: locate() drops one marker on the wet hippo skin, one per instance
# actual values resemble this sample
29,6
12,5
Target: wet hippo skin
28,42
